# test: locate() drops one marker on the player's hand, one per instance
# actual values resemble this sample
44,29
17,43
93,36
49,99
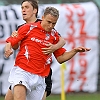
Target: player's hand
14,34
50,49
82,49
7,50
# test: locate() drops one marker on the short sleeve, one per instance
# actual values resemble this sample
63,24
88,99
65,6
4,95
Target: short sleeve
59,52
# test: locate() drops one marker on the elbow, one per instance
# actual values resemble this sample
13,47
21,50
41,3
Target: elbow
60,61
15,47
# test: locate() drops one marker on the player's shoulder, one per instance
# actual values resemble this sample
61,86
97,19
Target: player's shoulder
55,31
28,26
24,27
20,26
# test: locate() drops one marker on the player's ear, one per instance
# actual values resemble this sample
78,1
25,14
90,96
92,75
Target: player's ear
42,17
35,11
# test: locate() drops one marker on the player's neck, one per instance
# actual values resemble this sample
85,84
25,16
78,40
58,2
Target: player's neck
31,20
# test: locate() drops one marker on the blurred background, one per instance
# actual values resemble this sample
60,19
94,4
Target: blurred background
82,73
7,2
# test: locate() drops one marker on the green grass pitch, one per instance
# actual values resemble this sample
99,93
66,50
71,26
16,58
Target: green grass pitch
72,96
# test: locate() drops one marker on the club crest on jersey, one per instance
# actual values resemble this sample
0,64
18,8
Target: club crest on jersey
47,36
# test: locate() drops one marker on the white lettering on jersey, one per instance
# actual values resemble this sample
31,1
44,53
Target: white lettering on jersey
26,52
43,42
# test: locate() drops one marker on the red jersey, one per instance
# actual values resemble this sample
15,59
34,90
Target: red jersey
30,57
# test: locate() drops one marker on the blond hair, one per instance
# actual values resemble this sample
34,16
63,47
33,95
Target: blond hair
52,11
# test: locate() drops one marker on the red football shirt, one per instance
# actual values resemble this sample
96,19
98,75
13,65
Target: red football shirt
30,57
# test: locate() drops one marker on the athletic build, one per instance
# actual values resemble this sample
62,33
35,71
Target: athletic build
68,55
31,17
30,58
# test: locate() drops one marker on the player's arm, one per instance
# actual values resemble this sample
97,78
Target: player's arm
15,47
8,50
15,34
68,55
53,47
60,43
12,41
8,47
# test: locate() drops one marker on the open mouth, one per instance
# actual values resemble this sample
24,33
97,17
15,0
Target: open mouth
24,14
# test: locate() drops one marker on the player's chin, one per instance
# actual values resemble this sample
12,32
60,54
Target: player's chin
25,18
48,30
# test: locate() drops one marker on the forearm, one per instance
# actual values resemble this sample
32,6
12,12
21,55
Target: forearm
53,47
13,40
8,49
8,46
66,56
60,43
